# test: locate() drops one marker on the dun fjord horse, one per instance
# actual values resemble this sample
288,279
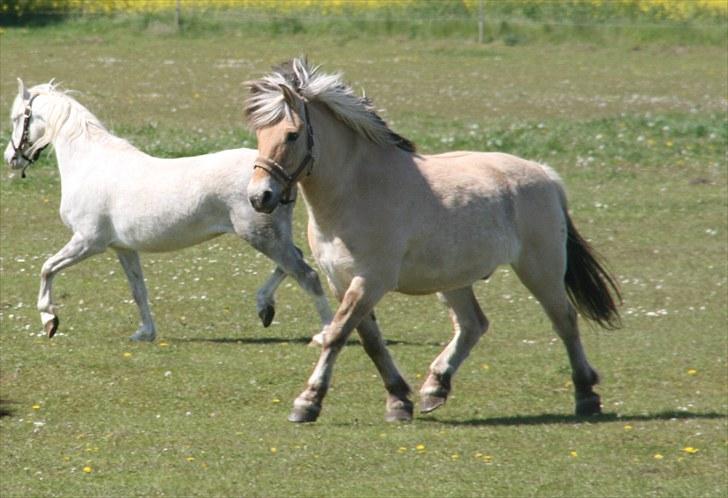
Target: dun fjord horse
114,195
384,218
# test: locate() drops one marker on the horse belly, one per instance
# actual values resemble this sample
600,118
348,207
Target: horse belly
150,235
459,263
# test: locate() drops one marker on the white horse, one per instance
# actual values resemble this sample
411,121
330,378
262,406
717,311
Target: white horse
384,218
114,195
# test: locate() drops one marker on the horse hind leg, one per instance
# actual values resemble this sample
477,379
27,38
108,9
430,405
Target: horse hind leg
469,324
265,297
132,267
290,260
544,277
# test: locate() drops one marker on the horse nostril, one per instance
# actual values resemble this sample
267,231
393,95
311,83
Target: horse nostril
266,197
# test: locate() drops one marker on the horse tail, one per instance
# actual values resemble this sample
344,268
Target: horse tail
591,288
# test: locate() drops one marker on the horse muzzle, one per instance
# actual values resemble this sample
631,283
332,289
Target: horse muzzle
264,201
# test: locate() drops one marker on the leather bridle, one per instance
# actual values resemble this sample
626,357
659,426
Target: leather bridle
278,172
20,149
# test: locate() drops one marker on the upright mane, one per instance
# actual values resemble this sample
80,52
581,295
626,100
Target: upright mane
266,105
64,111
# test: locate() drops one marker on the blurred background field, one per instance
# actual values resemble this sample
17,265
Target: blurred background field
627,100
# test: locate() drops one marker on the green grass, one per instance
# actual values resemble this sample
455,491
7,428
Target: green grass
640,137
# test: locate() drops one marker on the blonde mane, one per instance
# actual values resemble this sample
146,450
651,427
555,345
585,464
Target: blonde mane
266,105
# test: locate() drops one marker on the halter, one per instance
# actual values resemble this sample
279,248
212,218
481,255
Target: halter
19,150
278,172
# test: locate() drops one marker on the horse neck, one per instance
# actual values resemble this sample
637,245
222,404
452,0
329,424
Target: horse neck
78,136
337,150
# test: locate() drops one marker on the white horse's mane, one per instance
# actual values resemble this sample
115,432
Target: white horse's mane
64,111
266,105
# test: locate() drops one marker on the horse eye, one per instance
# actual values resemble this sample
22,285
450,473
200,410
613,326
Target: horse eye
291,137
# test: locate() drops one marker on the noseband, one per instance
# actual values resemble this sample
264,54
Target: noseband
19,150
278,172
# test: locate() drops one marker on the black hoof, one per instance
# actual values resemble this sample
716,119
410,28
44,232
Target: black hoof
399,411
430,402
304,414
266,315
587,407
52,327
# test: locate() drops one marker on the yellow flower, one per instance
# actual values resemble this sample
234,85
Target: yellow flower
36,406
274,450
127,355
190,459
690,450
420,447
658,456
455,456
692,371
628,427
401,449
573,454
163,344
275,400
88,469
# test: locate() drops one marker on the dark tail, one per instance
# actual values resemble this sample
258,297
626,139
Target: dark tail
591,288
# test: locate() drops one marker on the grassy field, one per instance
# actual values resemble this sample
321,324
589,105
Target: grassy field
638,132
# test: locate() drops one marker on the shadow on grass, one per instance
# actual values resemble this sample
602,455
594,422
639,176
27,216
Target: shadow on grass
554,419
243,340
287,340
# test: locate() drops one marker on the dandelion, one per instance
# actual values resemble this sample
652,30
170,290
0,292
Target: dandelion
36,406
455,456
401,449
628,427
420,447
127,355
275,400
690,450
692,371
573,454
88,469
658,456
485,366
163,344
274,450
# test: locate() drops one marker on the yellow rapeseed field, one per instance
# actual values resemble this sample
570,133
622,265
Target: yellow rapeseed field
661,9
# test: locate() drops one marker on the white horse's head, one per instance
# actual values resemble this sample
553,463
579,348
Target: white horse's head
29,137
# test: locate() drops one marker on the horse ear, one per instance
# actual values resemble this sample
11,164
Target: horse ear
22,90
290,96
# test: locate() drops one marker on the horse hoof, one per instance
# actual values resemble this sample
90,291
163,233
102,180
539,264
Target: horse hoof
317,341
399,412
266,315
304,414
587,407
51,327
430,402
141,336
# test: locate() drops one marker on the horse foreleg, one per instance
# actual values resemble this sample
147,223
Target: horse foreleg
132,267
357,303
399,407
469,324
77,249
